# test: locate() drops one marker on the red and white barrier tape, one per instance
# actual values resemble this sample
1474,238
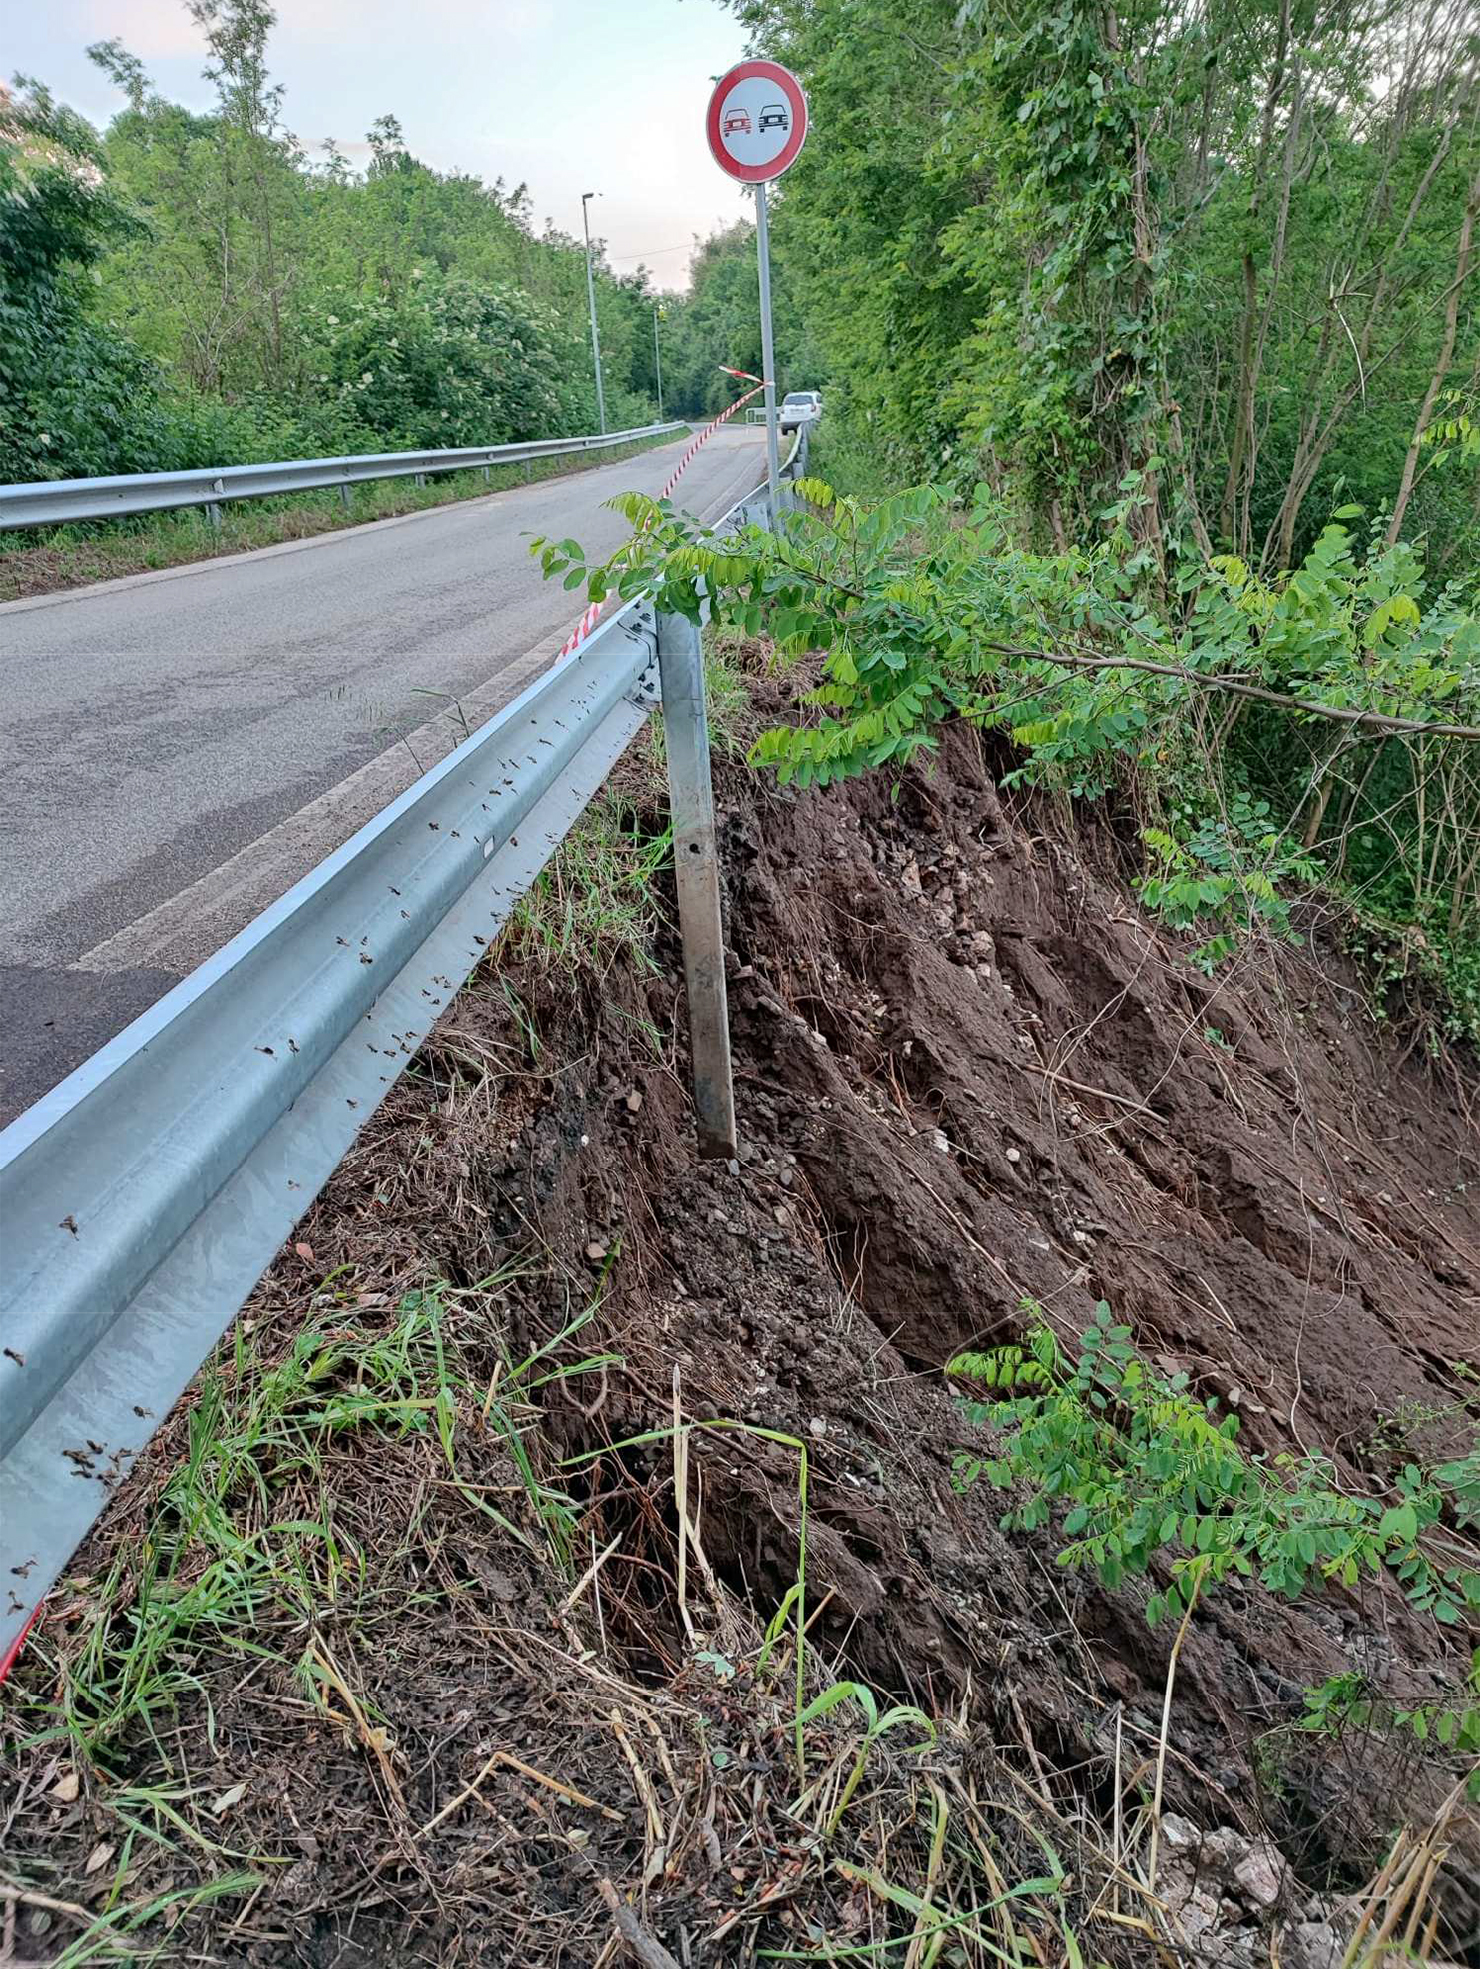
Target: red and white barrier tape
595,610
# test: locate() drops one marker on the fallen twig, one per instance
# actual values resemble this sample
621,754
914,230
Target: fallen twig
647,1949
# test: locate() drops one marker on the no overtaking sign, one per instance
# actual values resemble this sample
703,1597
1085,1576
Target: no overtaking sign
757,121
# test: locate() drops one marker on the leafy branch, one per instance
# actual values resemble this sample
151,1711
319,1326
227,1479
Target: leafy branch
1139,1467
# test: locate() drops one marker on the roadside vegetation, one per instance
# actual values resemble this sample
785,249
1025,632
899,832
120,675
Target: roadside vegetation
1179,356
41,560
189,289
1271,741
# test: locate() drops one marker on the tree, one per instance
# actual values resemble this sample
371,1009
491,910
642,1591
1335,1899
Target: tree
1208,257
76,389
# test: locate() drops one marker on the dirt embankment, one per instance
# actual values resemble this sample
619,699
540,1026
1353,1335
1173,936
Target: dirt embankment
970,1072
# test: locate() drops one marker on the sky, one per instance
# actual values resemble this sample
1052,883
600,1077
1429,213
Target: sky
566,95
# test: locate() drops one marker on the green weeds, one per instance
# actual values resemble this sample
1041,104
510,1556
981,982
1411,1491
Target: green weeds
1276,734
1451,1723
595,902
1140,1466
254,1542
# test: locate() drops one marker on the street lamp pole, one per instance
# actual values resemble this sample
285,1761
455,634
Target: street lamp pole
586,197
658,360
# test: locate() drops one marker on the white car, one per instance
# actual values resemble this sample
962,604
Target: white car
800,407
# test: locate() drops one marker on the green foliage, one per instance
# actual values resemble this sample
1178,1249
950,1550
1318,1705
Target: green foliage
877,1725
1275,733
1010,1366
1231,867
1449,1724
719,322
70,385
447,363
1139,1467
194,289
1059,248
595,901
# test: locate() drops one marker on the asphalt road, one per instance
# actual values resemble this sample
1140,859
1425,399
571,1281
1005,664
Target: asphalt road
177,749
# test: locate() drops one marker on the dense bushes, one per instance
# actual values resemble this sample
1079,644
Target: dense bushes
1233,250
193,290
448,363
1269,735
1177,314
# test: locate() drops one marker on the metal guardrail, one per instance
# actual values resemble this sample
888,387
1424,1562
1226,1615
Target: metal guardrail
52,502
142,1198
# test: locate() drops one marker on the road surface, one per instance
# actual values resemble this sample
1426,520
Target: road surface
177,749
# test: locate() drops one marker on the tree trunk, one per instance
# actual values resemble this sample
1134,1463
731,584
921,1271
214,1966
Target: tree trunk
1243,415
1441,364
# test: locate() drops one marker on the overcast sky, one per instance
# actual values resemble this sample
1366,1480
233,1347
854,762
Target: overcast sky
567,95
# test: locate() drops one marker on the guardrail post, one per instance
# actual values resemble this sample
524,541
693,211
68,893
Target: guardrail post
345,500
213,512
696,864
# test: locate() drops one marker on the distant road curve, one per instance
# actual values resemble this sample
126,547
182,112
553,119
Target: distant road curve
177,749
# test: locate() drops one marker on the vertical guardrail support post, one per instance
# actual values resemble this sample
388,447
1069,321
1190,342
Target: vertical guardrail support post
696,863
214,514
346,499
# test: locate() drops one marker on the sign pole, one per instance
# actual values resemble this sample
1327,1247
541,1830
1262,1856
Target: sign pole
586,197
768,354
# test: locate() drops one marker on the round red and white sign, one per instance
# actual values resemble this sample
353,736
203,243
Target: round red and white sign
757,121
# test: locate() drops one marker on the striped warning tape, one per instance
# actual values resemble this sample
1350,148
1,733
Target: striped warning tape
595,610
708,432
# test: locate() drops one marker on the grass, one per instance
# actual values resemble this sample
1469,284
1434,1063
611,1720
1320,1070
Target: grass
595,903
256,1543
42,561
286,1534
733,722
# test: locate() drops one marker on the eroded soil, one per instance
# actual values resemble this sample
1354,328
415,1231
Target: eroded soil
970,1072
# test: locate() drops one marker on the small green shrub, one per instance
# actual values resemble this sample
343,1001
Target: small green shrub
1139,1466
1450,1723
